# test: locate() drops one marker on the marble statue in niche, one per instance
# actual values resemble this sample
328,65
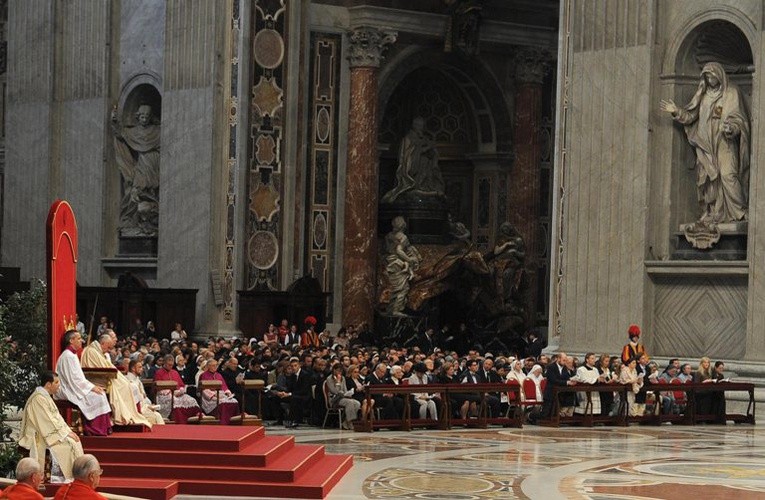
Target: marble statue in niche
137,152
401,261
417,170
717,126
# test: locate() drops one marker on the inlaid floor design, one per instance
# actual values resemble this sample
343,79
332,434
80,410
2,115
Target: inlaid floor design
666,462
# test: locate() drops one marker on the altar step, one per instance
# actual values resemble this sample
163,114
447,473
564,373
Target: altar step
220,461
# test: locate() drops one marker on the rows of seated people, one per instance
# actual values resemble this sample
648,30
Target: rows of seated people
306,373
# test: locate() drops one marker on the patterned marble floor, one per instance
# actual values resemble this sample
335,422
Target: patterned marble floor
667,462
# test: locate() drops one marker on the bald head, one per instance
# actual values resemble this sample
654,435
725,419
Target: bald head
86,468
26,470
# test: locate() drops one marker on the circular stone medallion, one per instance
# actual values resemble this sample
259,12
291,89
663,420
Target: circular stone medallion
263,249
268,48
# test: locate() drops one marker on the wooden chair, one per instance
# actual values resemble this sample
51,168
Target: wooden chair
250,420
331,410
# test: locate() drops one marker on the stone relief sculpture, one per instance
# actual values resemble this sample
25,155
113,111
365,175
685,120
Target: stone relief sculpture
137,151
417,169
463,28
506,260
401,261
717,126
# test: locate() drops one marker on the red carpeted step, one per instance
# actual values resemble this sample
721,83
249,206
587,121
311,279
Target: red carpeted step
151,489
261,453
180,437
288,467
314,483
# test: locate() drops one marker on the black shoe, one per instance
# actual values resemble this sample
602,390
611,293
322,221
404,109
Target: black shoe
293,425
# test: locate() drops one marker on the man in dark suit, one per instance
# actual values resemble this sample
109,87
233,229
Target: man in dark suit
390,407
558,374
292,337
298,393
534,344
487,375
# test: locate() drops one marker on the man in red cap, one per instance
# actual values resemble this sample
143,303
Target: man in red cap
633,349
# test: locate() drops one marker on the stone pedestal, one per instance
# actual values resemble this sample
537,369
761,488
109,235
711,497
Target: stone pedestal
399,329
726,241
137,246
360,243
524,196
426,217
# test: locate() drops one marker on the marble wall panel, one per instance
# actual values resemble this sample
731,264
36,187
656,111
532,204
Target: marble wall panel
185,179
142,38
80,68
82,153
698,316
190,43
602,227
28,115
27,187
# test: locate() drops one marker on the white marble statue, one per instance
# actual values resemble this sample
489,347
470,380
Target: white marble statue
137,151
401,260
717,125
417,165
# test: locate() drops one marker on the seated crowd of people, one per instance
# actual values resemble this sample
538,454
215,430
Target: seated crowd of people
305,371
304,374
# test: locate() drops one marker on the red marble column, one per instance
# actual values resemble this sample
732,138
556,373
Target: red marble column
531,66
360,233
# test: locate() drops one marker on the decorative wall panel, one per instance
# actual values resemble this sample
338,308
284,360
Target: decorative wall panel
264,180
700,316
324,85
232,160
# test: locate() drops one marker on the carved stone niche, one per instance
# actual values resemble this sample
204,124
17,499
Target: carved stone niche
698,237
136,137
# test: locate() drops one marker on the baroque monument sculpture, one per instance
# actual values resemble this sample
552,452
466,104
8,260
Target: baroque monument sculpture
417,165
717,126
401,260
137,152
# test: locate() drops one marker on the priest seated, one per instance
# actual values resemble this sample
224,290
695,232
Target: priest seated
42,426
183,406
124,406
75,388
220,402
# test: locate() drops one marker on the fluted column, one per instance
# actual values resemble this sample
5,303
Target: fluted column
367,46
524,197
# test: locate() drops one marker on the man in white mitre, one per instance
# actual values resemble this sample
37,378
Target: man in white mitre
124,406
75,388
42,426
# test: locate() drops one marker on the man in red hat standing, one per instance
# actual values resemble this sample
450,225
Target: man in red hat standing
633,349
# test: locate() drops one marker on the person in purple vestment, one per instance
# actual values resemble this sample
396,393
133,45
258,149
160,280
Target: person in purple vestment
183,405
221,402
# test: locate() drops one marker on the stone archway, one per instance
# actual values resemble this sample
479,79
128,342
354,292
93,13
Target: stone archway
469,118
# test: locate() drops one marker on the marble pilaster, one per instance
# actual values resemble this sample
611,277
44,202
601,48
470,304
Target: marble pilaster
524,195
367,46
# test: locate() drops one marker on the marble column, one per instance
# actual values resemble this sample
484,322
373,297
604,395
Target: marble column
524,197
366,47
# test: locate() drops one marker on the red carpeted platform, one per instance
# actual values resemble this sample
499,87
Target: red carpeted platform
214,460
